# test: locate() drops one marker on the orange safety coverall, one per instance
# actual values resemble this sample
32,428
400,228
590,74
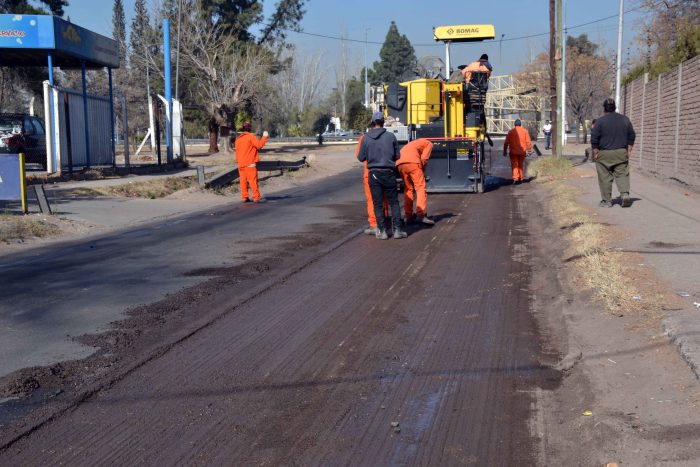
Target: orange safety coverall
371,218
247,145
411,164
477,66
518,140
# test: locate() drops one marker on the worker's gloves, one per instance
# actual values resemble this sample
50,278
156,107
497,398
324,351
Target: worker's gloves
265,133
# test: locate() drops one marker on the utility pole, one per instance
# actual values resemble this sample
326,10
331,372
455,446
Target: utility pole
177,54
560,98
618,71
563,74
553,75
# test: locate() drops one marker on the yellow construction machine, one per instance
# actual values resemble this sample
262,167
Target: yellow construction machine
449,112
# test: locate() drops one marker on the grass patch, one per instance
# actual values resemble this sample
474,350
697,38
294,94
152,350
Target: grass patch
549,168
607,272
13,228
152,189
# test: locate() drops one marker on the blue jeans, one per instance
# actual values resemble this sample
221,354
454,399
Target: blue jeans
547,140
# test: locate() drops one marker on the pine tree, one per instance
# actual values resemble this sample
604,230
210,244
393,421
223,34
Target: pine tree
398,57
140,48
119,30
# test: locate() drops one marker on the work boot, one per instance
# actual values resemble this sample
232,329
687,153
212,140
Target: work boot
426,220
399,233
247,200
626,200
381,234
605,204
371,230
261,200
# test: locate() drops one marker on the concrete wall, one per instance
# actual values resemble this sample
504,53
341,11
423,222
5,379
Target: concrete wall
666,116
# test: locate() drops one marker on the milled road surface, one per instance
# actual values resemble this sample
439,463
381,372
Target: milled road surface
413,352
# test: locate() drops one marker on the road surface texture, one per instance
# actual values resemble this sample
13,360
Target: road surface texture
339,349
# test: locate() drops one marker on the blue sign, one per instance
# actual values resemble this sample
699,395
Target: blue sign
26,32
49,33
10,178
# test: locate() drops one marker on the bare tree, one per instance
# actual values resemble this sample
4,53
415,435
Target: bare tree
298,87
589,80
342,74
230,74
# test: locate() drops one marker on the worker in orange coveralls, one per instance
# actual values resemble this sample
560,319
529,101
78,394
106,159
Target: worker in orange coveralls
479,66
411,165
247,145
518,140
371,218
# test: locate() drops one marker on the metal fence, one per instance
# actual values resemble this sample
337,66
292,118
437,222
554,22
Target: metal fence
77,141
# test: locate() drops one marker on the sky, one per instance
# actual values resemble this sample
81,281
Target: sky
515,20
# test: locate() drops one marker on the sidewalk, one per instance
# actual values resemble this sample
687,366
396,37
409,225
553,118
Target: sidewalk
663,225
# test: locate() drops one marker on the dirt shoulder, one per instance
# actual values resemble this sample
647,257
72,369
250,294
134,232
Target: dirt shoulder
97,205
628,397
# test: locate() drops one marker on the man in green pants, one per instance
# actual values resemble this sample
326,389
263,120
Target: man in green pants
612,140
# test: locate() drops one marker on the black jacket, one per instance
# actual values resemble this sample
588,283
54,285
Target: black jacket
379,148
612,131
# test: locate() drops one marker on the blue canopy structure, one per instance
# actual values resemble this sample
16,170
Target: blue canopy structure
42,40
27,40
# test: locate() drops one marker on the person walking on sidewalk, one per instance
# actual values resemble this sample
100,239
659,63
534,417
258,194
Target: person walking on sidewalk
381,151
518,141
612,140
547,131
247,146
411,165
588,153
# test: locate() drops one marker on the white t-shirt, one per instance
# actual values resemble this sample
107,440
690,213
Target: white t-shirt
547,128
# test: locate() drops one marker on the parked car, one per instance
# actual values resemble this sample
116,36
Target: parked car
24,133
336,133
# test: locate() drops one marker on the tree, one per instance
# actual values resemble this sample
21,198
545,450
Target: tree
581,45
589,79
341,76
672,35
297,87
141,37
397,55
358,116
667,22
55,7
231,74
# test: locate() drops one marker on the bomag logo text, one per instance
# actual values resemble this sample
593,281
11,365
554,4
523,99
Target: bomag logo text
467,30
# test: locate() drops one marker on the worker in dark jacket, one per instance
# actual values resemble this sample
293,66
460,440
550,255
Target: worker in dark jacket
381,151
612,140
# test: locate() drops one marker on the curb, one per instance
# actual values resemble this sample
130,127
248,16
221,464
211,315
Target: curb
683,329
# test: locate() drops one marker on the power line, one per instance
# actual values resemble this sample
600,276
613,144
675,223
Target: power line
433,44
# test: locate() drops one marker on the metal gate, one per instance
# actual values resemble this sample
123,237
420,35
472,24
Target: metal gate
74,144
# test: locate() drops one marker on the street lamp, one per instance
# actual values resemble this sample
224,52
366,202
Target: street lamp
366,82
500,49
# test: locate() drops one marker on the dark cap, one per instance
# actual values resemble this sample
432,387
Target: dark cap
246,126
518,122
484,57
377,116
461,67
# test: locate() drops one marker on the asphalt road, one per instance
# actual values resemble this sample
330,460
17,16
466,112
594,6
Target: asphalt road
68,290
420,351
